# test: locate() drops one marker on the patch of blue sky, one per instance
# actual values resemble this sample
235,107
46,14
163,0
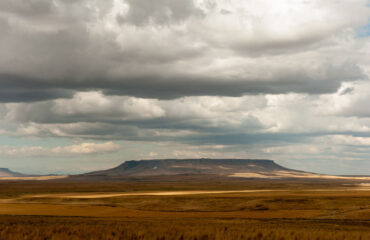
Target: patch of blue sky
363,31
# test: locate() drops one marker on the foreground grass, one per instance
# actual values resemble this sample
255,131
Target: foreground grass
291,211
55,228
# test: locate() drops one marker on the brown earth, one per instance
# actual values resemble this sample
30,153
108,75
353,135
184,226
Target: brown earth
184,210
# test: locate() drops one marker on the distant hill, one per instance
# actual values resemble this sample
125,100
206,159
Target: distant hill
187,169
5,172
223,167
205,168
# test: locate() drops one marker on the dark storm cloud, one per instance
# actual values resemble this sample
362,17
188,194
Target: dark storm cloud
16,89
283,82
26,95
21,89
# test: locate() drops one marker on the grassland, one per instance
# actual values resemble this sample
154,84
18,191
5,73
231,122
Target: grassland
284,210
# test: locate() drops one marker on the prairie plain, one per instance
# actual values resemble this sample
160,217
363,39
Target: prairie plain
192,209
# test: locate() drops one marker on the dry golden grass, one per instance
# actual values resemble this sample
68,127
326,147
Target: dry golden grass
290,211
15,188
36,228
39,178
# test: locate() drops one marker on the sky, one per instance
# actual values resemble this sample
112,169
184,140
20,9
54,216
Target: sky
88,84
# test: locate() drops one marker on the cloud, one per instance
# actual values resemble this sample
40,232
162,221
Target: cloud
172,49
256,77
86,148
96,116
351,140
250,120
162,12
356,104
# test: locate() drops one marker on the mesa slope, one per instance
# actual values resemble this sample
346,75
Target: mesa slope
206,168
222,167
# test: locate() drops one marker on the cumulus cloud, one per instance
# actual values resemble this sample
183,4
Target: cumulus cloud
170,49
97,116
354,102
250,120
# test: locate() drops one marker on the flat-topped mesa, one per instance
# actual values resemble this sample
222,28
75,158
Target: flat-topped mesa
190,166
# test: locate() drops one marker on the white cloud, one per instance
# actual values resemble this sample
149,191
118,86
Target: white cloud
350,140
94,115
87,148
72,150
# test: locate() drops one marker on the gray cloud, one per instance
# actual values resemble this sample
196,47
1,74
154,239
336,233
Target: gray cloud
23,89
198,77
169,49
328,80
162,12
193,120
32,9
